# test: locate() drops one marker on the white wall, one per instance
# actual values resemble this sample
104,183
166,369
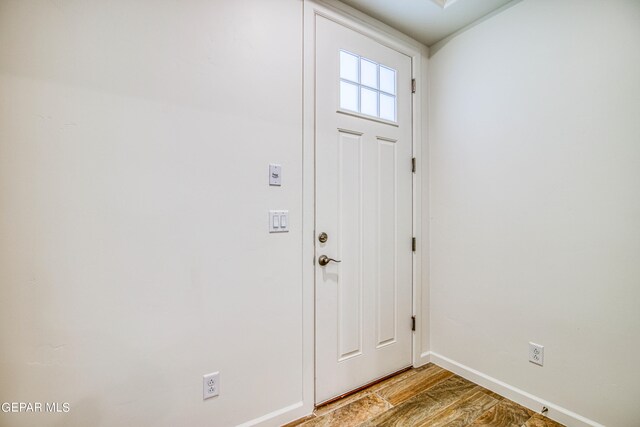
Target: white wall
535,202
134,253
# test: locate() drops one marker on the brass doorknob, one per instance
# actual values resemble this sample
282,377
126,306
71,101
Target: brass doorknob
324,260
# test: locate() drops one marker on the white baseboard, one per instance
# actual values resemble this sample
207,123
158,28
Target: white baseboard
556,412
525,399
423,359
280,416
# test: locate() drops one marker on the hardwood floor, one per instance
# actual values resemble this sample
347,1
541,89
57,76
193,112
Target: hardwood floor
426,396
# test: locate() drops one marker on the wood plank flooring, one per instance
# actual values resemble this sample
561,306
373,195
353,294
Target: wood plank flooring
426,396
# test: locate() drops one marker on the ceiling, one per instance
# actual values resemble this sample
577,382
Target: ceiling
427,21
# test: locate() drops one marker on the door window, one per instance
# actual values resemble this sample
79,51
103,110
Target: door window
367,87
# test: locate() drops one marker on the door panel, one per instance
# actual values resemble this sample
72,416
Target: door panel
387,242
363,203
349,220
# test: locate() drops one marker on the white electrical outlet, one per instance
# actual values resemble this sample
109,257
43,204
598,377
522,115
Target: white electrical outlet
536,353
210,385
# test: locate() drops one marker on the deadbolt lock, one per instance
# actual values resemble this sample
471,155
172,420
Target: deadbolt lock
323,237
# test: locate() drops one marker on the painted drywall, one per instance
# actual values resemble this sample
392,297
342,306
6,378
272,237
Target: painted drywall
535,202
135,139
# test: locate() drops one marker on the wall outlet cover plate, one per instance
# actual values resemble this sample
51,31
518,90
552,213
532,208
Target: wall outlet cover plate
210,385
536,353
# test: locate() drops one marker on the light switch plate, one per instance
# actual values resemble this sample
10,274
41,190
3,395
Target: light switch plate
275,174
278,221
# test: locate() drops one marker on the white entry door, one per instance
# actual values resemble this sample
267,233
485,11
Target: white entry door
363,210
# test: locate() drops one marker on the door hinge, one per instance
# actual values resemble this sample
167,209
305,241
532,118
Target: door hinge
413,244
413,323
413,164
413,85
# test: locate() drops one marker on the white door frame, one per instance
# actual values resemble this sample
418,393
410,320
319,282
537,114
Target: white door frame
389,37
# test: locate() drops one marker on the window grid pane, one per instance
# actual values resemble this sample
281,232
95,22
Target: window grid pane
349,67
367,87
368,73
349,96
387,80
387,107
369,102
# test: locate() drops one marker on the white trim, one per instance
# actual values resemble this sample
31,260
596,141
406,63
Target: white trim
424,358
277,417
535,403
423,203
383,33
308,211
357,21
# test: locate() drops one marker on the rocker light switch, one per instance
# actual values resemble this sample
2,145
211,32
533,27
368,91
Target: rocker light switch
278,221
